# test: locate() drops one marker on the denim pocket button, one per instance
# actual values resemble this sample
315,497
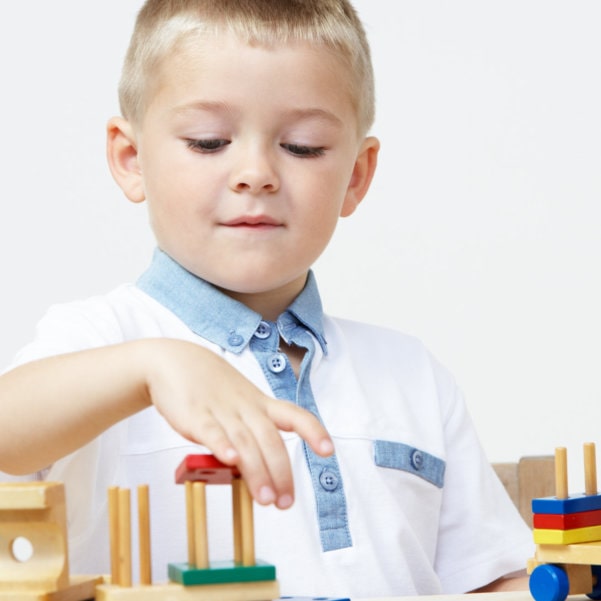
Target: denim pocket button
328,480
263,330
417,460
277,363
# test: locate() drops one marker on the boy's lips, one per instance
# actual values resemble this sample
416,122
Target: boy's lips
255,222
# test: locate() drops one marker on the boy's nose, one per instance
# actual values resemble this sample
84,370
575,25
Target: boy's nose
254,173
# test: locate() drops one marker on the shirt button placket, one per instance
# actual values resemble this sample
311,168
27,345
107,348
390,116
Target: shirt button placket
328,487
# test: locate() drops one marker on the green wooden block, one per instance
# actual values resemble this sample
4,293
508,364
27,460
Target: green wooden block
220,572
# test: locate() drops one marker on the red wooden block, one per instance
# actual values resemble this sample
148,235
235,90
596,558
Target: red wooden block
205,468
567,521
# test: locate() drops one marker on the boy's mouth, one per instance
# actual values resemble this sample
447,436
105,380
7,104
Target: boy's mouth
254,222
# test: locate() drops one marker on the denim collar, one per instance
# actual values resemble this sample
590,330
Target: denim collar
219,318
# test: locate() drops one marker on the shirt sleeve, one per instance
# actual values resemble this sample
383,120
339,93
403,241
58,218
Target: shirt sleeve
482,535
63,329
71,327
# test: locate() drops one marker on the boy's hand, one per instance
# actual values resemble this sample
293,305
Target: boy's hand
209,402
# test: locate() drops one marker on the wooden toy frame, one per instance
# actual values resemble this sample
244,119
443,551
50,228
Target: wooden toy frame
567,534
35,513
243,579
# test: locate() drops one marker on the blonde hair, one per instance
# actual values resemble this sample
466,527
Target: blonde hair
162,25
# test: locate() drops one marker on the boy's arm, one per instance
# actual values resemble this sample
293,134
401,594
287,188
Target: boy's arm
51,407
515,582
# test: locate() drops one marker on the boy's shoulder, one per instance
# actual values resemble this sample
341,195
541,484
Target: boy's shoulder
100,312
97,320
392,365
372,334
383,348
124,313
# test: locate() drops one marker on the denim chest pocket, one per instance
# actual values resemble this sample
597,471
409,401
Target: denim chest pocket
399,456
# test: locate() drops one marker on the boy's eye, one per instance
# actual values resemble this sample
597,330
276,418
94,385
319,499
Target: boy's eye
207,146
304,151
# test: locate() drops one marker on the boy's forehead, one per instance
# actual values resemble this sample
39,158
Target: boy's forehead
223,51
219,76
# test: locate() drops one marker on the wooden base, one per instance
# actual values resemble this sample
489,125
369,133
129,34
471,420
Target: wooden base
239,591
581,553
80,588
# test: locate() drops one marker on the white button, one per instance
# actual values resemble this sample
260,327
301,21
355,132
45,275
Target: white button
277,363
328,480
263,330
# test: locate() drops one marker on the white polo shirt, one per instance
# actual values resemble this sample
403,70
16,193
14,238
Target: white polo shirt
407,505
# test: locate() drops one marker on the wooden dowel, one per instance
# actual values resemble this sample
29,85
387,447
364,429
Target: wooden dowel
144,534
561,473
201,545
113,500
124,537
590,469
236,520
190,523
246,525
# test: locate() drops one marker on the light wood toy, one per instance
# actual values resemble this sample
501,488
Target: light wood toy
34,559
567,533
198,579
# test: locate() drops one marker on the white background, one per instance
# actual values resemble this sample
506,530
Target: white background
480,234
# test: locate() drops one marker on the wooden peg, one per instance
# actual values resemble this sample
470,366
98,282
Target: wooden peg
144,534
190,523
113,499
246,525
590,469
201,546
236,520
124,537
561,473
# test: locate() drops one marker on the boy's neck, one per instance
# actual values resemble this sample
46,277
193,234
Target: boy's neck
270,304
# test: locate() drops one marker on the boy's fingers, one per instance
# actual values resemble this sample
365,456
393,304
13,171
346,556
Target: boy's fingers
212,435
252,460
250,439
232,444
290,418
275,457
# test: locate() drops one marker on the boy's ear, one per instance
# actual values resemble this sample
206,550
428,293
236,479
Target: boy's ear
363,173
122,156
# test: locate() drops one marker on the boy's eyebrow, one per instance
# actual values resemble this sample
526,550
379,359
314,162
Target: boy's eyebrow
310,113
295,114
203,105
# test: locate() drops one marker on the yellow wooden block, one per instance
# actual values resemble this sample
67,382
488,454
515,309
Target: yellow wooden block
543,536
239,591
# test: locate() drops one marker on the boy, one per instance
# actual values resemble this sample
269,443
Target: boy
244,129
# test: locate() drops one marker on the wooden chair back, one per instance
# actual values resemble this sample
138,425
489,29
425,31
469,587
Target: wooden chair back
529,478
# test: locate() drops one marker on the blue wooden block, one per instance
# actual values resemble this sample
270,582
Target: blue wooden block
573,504
313,599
